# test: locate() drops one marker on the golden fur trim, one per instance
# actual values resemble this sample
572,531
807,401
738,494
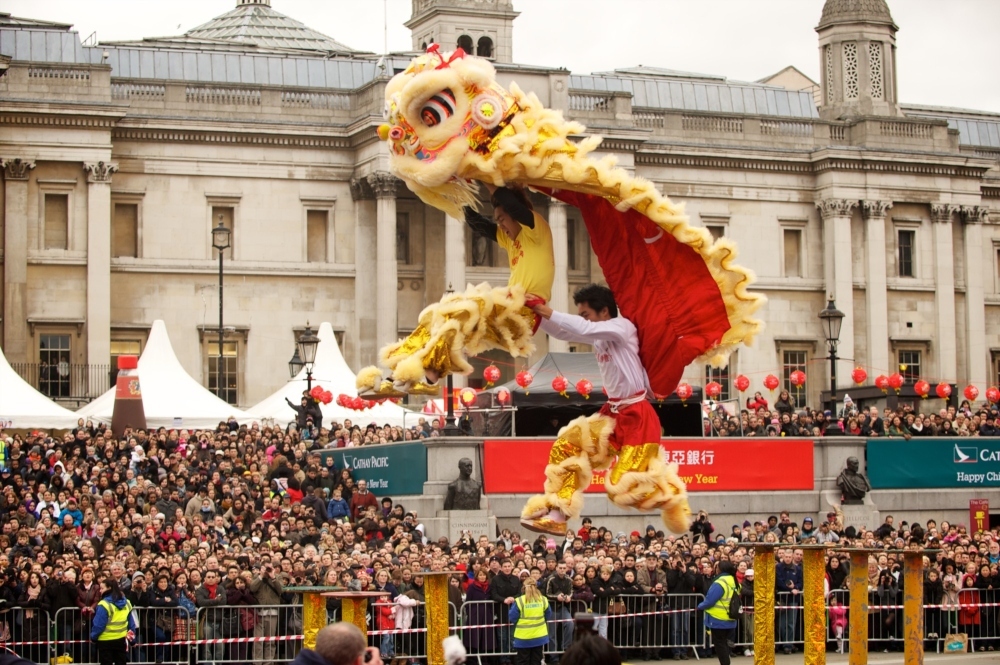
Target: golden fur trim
369,378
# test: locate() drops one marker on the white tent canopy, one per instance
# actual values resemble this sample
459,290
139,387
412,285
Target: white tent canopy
23,407
332,373
170,397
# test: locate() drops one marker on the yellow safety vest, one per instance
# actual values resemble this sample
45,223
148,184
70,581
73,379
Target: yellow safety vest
531,625
720,610
117,626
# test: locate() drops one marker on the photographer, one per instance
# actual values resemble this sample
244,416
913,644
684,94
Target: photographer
267,589
681,599
653,582
702,528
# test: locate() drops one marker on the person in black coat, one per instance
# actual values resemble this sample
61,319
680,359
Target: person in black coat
308,408
682,587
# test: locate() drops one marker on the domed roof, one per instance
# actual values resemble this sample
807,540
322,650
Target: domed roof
855,11
254,22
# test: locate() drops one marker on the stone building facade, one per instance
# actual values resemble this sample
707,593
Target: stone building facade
118,159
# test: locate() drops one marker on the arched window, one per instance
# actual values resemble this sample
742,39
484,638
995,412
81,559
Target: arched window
423,47
485,49
465,43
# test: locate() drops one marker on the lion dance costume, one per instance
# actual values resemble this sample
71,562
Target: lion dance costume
449,123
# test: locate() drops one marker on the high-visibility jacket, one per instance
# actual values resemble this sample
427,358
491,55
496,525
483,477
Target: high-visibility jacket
531,624
3,455
117,626
720,610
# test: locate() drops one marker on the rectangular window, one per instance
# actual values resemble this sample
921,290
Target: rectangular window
125,231
791,361
403,238
123,347
721,376
57,221
905,240
227,215
717,231
317,225
54,364
793,252
909,365
224,373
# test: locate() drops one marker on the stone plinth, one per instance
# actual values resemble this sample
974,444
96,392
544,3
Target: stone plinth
476,522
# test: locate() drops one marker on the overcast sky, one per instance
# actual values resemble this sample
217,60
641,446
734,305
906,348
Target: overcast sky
948,50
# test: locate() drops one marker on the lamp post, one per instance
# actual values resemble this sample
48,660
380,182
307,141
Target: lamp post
304,356
832,319
451,427
220,241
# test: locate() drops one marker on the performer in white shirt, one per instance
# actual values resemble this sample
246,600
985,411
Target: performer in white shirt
626,427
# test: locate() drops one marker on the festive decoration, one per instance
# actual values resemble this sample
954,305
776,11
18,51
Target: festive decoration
524,379
316,393
896,381
797,378
882,383
467,397
859,375
584,387
971,392
943,390
684,391
993,395
742,383
503,396
771,382
713,389
491,374
354,403
327,397
922,388
559,384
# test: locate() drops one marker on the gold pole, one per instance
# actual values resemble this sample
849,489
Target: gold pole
858,628
436,597
763,603
813,575
913,610
314,617
353,607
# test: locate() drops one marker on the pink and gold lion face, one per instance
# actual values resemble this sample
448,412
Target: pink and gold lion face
439,111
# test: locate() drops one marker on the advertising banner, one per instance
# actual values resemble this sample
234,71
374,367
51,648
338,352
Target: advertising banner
933,463
391,470
706,465
979,515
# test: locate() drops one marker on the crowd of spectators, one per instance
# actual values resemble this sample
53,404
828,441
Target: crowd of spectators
783,418
220,527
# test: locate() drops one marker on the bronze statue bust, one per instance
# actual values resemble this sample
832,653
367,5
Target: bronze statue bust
464,492
853,484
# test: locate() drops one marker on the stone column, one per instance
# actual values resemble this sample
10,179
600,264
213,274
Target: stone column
365,269
15,257
975,306
99,261
383,184
838,272
876,303
560,251
454,253
944,291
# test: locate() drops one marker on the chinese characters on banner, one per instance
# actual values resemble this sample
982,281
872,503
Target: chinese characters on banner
979,515
705,465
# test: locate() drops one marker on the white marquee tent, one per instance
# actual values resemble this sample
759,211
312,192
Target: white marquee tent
170,397
332,373
23,407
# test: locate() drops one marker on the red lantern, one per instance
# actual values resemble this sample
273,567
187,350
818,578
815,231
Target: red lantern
742,383
327,397
859,375
771,382
797,378
467,397
943,390
922,388
971,392
684,391
491,374
524,378
316,393
713,389
992,395
357,403
342,400
584,387
559,384
896,381
503,396
882,383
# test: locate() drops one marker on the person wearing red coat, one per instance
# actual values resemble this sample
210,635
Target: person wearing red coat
361,500
756,402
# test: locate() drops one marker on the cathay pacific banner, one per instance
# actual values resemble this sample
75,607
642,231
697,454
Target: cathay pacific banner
391,469
930,463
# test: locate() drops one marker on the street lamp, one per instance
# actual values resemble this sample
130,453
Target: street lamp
220,241
451,427
832,319
304,356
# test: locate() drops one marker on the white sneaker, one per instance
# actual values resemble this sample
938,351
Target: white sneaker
747,652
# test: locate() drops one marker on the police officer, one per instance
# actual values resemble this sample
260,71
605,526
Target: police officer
528,614
716,608
113,625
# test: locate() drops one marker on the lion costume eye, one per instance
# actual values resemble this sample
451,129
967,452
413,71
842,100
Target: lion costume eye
438,108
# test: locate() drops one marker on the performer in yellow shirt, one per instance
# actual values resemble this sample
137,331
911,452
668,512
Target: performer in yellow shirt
480,318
